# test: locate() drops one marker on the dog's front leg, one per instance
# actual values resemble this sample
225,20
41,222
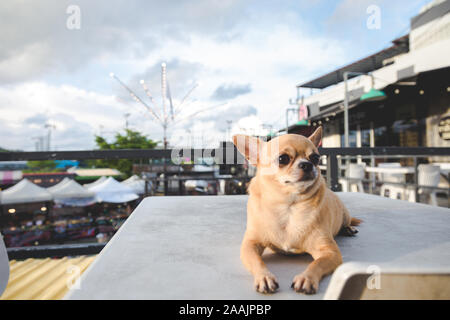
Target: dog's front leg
327,258
251,252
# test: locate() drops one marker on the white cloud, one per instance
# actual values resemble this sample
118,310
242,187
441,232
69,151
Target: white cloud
77,114
49,72
265,60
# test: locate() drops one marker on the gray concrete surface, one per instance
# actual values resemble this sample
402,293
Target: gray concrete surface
188,248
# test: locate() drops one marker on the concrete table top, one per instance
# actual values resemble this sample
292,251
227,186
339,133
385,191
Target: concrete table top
187,247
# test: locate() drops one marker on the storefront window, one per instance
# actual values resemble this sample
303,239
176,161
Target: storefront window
351,139
381,136
407,132
365,137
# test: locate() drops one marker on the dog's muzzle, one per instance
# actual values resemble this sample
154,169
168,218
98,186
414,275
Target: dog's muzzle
308,172
306,166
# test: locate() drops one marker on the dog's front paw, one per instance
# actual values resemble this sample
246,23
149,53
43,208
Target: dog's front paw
305,284
266,283
348,231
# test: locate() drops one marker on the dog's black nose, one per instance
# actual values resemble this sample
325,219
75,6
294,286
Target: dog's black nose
306,166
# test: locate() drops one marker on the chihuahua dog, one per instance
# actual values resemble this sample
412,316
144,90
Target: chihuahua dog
291,210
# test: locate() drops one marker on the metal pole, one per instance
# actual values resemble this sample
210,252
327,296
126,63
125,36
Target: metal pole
346,144
346,120
287,116
49,138
163,89
372,158
332,172
287,121
416,179
166,183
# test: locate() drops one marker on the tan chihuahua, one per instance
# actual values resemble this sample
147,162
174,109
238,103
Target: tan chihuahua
290,210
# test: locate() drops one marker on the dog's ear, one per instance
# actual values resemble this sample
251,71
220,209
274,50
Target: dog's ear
250,147
316,137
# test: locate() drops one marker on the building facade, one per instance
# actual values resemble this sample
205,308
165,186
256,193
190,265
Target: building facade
413,73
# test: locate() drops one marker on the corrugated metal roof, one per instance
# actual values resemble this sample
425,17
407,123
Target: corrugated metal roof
43,279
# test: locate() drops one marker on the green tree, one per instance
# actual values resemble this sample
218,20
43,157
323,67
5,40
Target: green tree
41,166
130,140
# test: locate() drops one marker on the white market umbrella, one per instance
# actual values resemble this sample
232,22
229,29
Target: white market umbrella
96,182
25,192
113,191
136,184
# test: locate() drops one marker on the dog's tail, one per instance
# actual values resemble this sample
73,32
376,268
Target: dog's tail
355,221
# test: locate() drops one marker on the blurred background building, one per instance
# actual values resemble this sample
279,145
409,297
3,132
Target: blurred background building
413,73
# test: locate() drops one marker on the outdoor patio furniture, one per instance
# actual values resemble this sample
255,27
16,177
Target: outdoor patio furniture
395,191
428,176
354,176
183,248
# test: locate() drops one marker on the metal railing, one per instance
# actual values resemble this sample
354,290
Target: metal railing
196,155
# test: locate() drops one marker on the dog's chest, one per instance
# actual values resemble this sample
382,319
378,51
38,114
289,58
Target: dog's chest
291,228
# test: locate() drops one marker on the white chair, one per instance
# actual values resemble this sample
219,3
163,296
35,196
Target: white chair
395,191
428,176
354,174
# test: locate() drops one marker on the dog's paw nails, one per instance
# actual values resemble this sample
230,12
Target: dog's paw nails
305,284
266,283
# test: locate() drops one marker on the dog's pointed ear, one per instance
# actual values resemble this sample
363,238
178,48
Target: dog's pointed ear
316,137
250,147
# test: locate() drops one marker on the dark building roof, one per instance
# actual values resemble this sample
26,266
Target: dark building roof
431,14
368,64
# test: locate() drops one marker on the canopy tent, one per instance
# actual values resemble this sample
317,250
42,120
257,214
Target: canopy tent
136,184
96,182
24,192
58,185
113,191
70,193
69,189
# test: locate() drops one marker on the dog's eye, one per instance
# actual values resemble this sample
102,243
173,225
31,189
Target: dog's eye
284,159
314,158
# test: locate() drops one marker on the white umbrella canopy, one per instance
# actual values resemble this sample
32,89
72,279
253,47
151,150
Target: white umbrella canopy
136,184
25,192
131,179
70,189
96,182
113,191
58,185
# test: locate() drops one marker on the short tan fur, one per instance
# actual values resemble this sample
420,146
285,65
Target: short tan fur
291,210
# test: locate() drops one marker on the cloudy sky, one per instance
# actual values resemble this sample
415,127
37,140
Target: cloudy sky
245,56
